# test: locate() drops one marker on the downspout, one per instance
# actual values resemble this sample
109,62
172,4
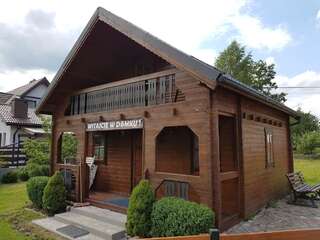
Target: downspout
291,165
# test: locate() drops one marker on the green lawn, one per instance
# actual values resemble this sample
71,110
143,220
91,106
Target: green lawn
309,168
14,215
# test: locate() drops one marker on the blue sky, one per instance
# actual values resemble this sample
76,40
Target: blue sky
36,37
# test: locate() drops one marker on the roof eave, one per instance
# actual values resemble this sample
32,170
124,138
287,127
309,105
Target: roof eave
228,82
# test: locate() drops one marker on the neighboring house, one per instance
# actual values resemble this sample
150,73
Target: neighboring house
17,115
144,109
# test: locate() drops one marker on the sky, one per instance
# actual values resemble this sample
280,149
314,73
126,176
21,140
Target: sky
36,36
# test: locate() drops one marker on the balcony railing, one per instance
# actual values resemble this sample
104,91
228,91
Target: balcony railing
158,90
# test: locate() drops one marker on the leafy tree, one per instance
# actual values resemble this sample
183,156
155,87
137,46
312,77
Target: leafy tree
309,143
235,61
308,123
69,146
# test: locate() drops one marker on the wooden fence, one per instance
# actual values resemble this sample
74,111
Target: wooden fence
302,234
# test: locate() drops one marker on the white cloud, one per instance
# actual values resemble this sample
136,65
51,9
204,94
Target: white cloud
12,79
318,15
306,98
270,60
254,34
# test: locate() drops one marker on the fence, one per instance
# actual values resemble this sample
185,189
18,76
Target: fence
301,234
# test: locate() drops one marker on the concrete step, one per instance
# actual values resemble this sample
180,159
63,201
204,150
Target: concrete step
103,215
99,228
52,225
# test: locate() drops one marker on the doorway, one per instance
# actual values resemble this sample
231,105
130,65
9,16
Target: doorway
229,170
118,156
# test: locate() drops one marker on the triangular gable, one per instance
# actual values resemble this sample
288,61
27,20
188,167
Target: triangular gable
204,72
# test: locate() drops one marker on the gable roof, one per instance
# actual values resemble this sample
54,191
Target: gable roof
206,73
25,89
6,116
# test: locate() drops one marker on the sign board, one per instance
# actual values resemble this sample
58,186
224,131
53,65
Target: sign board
115,125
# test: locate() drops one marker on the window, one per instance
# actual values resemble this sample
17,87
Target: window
99,145
269,147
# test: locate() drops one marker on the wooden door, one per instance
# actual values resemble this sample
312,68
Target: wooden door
136,143
229,170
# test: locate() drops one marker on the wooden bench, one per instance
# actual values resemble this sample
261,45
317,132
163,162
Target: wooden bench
302,190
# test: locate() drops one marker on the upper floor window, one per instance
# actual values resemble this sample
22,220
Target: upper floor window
269,147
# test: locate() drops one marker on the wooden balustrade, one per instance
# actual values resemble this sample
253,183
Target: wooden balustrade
159,89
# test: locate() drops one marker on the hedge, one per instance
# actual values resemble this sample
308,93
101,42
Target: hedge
177,217
23,174
139,210
54,195
35,188
10,177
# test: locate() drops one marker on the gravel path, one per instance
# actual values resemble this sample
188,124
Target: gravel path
282,216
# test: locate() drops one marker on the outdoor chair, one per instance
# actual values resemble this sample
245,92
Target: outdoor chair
302,190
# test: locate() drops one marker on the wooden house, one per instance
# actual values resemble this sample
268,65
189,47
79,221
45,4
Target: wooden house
144,109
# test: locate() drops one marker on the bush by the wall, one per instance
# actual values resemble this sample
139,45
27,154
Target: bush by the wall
35,188
35,170
23,174
139,210
177,217
54,196
10,177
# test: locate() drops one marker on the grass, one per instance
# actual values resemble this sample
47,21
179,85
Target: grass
15,218
309,168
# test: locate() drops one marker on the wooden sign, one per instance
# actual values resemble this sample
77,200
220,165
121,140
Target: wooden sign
115,125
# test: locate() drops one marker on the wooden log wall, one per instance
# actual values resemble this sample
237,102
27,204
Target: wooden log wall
193,112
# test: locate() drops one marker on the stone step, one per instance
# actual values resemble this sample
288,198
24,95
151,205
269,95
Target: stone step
103,215
99,228
52,225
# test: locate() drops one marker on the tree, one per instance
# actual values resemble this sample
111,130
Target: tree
308,123
235,61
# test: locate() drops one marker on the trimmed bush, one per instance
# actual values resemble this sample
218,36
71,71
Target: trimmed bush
177,217
23,174
139,210
10,177
35,170
35,188
54,196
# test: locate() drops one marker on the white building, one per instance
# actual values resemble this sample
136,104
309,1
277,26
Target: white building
17,116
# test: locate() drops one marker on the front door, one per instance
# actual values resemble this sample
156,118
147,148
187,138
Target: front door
229,170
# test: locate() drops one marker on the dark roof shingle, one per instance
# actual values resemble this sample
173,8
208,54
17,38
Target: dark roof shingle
7,116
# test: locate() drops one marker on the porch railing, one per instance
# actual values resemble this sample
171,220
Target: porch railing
157,90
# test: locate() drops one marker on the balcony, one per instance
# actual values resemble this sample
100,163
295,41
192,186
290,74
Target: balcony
147,90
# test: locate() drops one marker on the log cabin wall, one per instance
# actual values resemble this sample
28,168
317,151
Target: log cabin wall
258,184
194,112
261,183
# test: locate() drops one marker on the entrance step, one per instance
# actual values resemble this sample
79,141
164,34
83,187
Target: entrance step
52,225
103,229
103,215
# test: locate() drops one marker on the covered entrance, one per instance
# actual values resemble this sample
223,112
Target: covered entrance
118,156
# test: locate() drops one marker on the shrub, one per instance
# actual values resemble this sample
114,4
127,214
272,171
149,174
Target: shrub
10,177
139,210
23,174
35,188
54,195
309,143
177,217
35,170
